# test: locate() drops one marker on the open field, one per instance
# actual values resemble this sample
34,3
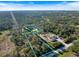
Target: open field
6,46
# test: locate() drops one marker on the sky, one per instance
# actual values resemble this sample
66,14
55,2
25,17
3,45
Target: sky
39,5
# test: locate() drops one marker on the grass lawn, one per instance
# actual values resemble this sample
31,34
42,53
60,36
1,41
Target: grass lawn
67,54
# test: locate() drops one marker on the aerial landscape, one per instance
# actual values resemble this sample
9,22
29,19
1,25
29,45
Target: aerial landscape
39,33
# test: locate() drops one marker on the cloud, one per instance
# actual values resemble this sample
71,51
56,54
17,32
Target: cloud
69,6
32,6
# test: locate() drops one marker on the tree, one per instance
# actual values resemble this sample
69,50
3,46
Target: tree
75,48
0,33
56,44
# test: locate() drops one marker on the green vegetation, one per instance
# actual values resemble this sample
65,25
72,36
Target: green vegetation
0,33
62,23
55,44
67,54
75,48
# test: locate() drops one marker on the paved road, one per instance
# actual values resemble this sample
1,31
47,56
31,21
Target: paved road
52,54
66,45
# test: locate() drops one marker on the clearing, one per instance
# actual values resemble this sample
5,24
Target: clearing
6,46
